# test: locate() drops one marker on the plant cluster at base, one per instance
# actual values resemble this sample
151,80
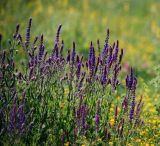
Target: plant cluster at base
56,100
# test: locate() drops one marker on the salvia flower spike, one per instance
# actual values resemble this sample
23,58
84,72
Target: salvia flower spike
28,33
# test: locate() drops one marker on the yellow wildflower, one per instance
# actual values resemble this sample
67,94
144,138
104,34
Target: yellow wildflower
66,144
110,143
99,140
112,109
112,121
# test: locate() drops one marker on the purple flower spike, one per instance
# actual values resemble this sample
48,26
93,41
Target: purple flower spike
92,55
99,48
61,49
41,40
56,51
104,77
87,65
96,68
68,56
78,71
28,33
114,79
58,33
125,103
97,119
120,57
109,136
106,40
138,110
72,63
81,81
77,60
110,55
21,116
91,60
116,113
129,80
62,138
40,52
41,49
90,52
131,116
113,45
104,53
73,53
35,40
115,55
16,32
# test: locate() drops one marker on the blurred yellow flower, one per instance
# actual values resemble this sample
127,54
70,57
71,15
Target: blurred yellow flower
112,121
66,144
99,140
112,109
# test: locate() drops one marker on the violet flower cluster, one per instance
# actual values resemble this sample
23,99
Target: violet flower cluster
52,98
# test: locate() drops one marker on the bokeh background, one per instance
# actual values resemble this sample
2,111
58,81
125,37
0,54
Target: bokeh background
135,23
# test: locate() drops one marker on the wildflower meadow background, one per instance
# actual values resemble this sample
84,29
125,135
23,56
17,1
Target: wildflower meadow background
80,72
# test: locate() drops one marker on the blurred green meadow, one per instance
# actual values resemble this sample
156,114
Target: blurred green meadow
136,24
